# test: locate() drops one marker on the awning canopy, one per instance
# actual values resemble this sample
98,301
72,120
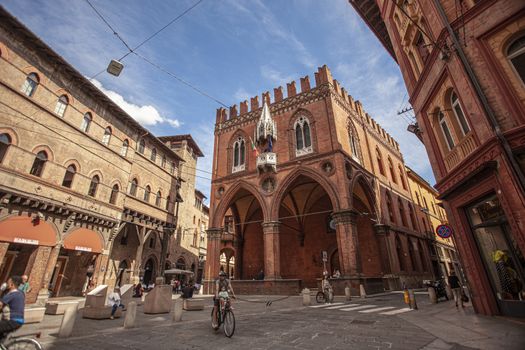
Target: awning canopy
27,230
178,272
84,240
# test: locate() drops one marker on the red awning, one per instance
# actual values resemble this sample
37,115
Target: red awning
26,230
84,240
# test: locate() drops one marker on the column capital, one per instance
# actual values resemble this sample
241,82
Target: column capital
271,226
382,229
214,233
347,216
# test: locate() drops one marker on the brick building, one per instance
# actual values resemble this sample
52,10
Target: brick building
323,180
463,63
84,189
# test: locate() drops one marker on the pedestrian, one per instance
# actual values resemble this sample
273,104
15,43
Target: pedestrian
327,288
24,287
15,300
138,290
456,287
115,302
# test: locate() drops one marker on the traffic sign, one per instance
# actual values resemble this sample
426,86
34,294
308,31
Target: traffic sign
325,256
444,231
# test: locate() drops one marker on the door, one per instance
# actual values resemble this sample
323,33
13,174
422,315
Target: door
58,275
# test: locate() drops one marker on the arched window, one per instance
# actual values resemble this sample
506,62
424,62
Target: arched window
172,167
107,136
62,103
153,156
158,198
5,141
402,212
422,256
417,198
446,131
93,186
516,56
400,254
124,149
147,192
114,194
412,217
458,112
142,146
379,158
86,122
168,202
425,202
133,187
38,164
303,140
238,155
30,84
69,175
354,144
389,208
424,224
402,177
163,162
392,172
421,47
412,255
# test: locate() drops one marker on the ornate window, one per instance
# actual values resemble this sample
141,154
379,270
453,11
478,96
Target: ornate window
158,199
124,149
239,155
86,122
168,201
133,187
516,56
30,84
147,193
114,194
421,46
446,131
412,217
354,144
5,141
402,212
153,156
93,186
61,106
392,172
107,136
379,158
69,175
389,208
303,139
458,112
163,162
402,177
142,146
38,164
400,254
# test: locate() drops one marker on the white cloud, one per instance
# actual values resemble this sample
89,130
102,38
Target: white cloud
146,115
276,77
242,95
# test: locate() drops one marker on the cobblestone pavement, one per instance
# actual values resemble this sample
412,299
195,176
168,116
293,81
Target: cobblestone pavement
366,324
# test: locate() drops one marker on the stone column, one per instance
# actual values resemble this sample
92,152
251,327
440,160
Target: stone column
272,256
43,293
213,264
138,256
101,263
4,246
347,243
36,269
382,233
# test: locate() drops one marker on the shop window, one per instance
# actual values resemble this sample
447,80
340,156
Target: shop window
93,186
61,105
303,140
516,56
30,84
69,175
114,194
5,142
38,164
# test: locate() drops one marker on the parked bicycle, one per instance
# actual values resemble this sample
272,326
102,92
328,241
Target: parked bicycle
225,317
20,342
322,297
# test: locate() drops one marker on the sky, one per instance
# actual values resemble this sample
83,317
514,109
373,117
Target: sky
231,50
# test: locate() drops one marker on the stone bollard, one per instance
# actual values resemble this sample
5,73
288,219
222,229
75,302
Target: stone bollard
348,293
68,321
177,310
432,295
412,297
362,291
131,314
306,297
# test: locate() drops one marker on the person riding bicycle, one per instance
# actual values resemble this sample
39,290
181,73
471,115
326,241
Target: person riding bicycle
15,299
223,289
327,288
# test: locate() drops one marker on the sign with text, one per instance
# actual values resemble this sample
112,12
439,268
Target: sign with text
25,241
324,256
83,249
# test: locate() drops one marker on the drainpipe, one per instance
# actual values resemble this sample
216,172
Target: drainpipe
485,104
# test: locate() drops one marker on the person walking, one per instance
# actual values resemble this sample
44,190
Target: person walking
114,302
457,289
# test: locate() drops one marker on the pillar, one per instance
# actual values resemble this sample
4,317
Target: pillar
382,234
43,293
100,266
4,246
141,232
164,250
213,252
272,256
346,232
36,269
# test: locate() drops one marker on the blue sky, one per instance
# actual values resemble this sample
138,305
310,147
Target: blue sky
230,49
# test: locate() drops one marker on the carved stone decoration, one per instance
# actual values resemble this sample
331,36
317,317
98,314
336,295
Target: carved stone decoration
220,192
268,185
328,168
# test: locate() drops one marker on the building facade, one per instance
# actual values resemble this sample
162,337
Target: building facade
308,183
464,67
87,195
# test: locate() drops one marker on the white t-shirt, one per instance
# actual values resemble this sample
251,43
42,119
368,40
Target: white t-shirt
114,299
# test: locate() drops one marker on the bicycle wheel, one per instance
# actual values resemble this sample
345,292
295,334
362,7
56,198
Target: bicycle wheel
23,344
320,297
229,323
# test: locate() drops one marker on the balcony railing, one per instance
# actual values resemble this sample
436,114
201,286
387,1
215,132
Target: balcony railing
460,152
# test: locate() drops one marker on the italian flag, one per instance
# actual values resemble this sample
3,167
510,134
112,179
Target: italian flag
254,149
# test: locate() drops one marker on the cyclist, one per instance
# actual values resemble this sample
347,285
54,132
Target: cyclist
327,288
223,289
15,299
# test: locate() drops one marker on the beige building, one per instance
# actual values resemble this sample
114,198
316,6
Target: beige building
431,214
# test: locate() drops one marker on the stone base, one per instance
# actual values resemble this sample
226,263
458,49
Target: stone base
193,304
266,287
100,313
34,314
57,307
158,301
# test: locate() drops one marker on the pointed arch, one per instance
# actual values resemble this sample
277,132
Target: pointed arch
360,179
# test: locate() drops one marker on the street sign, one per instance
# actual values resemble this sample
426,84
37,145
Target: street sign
444,231
325,256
